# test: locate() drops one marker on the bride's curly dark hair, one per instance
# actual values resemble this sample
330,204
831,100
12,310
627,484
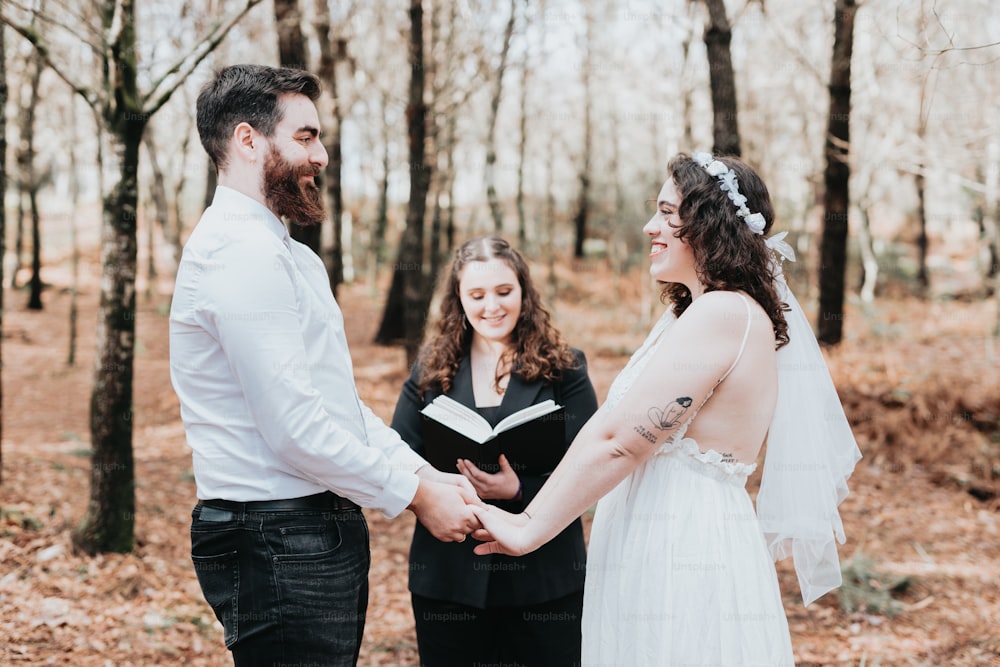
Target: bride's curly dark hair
728,254
537,349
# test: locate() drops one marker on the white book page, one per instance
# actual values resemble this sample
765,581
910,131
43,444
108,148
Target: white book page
456,416
526,415
469,423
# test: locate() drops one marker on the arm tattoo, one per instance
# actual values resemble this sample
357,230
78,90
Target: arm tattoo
647,435
669,416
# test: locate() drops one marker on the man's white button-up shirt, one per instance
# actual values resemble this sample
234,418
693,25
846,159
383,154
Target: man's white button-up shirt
260,363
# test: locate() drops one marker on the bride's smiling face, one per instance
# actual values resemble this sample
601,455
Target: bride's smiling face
671,259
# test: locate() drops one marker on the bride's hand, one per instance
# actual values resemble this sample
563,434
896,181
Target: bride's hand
502,532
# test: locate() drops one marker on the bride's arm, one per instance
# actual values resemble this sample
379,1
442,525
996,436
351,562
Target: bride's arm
697,350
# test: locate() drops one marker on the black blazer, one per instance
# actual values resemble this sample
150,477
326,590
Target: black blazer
449,570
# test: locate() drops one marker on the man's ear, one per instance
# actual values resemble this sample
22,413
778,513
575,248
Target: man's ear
246,141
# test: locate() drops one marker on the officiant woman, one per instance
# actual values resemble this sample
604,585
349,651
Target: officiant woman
494,349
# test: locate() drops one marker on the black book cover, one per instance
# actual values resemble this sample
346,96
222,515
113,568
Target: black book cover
532,448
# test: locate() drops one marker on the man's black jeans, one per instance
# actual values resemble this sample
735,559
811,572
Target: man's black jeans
289,587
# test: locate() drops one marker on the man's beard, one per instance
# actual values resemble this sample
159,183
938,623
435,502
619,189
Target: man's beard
286,194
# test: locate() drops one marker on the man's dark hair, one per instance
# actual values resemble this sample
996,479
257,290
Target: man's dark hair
246,93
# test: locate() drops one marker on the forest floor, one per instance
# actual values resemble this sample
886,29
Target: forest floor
918,380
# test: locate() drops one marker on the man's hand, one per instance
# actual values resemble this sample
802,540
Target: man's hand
445,510
501,485
432,474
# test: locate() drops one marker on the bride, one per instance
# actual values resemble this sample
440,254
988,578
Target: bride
681,565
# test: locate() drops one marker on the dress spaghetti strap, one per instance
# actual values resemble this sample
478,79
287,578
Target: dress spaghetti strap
743,345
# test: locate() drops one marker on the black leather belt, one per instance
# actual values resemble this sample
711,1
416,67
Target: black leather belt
327,500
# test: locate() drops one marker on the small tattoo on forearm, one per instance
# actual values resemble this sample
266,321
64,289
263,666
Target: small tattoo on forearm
645,433
671,415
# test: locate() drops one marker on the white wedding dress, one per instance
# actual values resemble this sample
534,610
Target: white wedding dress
678,572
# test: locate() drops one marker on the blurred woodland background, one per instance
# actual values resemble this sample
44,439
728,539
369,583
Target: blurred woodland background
549,122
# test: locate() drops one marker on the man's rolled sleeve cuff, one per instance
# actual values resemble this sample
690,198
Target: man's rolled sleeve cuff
398,492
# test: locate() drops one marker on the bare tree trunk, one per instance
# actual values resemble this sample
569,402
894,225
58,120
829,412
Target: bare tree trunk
405,311
291,41
442,143
583,201
437,181
22,187
718,35
617,253
437,249
869,261
328,59
836,197
491,152
995,221
443,215
150,226
522,224
292,53
382,216
3,211
436,240
923,118
19,223
109,522
987,245
414,291
176,233
545,221
685,92
35,282
985,215
449,180
30,177
991,226
74,200
549,232
161,208
923,279
110,518
18,232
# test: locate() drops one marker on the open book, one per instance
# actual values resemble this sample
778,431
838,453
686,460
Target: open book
532,439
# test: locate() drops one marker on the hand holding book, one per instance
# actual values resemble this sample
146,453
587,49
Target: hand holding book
501,485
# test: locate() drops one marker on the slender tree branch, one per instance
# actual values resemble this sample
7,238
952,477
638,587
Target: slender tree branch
792,47
183,68
951,42
65,10
42,49
117,29
949,49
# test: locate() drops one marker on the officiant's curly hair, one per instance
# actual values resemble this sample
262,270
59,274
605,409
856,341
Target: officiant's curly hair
537,351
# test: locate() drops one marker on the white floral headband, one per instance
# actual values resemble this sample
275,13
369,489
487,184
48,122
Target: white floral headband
729,185
755,221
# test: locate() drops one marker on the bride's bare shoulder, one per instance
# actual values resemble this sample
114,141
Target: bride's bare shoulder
713,309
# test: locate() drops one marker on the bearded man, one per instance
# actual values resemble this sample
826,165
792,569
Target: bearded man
285,454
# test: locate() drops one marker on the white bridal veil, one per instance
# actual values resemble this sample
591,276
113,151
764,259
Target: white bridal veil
810,453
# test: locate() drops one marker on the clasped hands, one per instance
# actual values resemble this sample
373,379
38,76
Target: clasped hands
450,506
